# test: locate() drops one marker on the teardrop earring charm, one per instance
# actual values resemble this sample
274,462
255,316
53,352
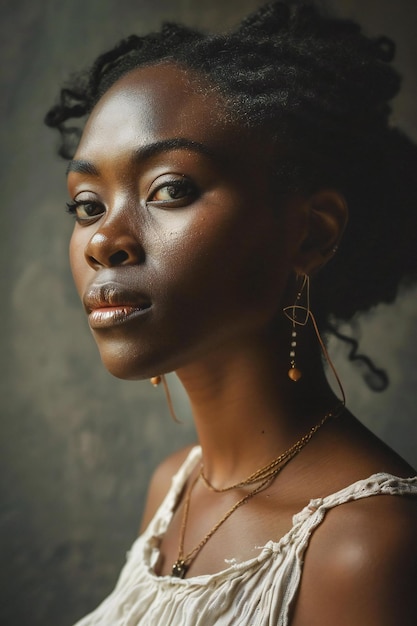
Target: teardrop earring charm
155,380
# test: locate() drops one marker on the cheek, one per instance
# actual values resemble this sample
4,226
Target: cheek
79,266
240,268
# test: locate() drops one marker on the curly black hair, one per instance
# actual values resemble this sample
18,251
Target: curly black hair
324,88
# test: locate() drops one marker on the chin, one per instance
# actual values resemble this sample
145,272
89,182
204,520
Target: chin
124,372
126,375
122,364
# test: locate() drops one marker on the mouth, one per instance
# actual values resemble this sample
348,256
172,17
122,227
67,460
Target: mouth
112,304
113,316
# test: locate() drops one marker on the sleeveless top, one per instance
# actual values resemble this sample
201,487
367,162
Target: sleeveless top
257,592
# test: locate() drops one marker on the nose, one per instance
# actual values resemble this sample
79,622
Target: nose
113,245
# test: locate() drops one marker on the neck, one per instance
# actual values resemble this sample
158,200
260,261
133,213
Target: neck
246,409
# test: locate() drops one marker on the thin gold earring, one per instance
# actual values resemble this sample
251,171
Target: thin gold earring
156,381
299,314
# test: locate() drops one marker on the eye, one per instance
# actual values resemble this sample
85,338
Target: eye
172,192
85,211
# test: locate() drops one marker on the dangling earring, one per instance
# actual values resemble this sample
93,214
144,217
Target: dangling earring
299,313
156,381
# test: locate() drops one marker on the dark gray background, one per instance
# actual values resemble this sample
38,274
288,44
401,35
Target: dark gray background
77,446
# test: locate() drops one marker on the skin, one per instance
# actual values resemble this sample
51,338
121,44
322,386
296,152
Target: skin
196,234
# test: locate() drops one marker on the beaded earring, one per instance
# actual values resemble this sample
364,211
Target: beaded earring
299,313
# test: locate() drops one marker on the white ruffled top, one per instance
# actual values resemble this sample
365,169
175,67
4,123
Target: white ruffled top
257,592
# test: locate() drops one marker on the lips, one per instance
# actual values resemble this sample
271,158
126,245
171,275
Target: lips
112,304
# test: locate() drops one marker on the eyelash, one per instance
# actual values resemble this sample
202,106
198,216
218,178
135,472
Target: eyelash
189,190
75,204
177,185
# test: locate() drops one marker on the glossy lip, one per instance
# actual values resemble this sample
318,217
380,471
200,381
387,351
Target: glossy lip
111,304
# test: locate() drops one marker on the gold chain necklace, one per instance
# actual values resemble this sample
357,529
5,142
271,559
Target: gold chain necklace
265,475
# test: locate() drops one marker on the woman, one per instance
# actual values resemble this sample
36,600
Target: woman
211,185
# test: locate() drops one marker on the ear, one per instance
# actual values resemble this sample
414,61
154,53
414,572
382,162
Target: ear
326,218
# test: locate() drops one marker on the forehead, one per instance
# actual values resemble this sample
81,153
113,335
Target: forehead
161,100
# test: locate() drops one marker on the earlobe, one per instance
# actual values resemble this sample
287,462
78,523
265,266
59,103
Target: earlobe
326,219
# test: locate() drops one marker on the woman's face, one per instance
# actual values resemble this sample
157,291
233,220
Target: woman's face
180,247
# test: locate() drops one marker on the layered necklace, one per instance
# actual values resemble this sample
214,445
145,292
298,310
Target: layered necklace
262,478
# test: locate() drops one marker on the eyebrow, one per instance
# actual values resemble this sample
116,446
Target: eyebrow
176,143
81,166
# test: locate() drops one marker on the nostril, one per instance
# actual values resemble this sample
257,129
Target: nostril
118,257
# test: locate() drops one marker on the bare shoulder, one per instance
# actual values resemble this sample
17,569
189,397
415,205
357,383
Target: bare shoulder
161,482
361,566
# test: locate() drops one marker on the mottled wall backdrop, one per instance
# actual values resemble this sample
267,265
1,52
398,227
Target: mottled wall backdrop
78,447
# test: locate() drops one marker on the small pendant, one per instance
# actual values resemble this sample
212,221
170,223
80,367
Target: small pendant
179,569
294,374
